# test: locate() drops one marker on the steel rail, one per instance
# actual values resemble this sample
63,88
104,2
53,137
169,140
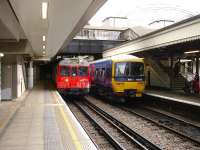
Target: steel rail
160,124
107,135
170,115
135,137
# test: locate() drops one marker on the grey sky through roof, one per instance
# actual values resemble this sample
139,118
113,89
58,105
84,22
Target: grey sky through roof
145,12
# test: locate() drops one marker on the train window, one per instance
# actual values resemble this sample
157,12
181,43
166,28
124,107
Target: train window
122,69
83,71
74,71
103,72
96,72
108,72
64,71
137,69
99,72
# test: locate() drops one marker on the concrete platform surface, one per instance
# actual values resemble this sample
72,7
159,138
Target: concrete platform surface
41,121
180,97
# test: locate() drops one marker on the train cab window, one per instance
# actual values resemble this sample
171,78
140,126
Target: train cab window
83,71
137,69
122,69
64,71
74,72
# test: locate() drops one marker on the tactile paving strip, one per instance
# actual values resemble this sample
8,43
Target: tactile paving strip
52,137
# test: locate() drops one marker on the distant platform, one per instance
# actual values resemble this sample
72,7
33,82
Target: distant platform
174,96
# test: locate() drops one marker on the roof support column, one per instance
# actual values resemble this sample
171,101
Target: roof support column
197,65
171,71
0,78
148,76
197,75
30,75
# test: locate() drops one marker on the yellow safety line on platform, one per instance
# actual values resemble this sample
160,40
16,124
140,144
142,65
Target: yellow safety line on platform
70,128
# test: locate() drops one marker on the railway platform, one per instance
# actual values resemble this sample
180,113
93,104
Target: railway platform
177,96
39,120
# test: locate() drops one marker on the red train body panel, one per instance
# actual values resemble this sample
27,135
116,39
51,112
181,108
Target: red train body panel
72,78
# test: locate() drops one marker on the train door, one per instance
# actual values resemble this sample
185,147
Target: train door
74,77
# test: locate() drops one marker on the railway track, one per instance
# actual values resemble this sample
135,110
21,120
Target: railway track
118,134
157,134
169,121
100,141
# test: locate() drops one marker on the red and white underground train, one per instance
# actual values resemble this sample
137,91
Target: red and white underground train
72,77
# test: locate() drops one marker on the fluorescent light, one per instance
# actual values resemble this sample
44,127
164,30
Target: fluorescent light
43,38
1,54
43,46
185,60
189,52
44,10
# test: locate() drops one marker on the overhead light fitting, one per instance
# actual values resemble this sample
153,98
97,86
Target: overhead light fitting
1,54
189,52
43,46
43,38
44,10
185,60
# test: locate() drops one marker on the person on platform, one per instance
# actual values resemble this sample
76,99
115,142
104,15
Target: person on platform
189,83
177,68
195,84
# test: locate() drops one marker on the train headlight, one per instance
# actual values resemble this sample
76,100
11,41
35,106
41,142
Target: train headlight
66,80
